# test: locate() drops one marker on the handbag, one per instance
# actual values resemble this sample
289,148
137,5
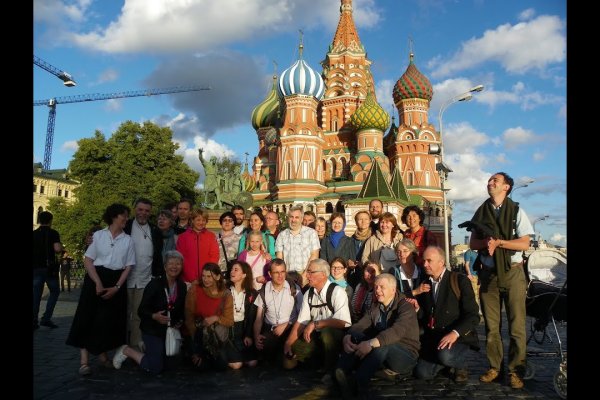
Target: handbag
173,336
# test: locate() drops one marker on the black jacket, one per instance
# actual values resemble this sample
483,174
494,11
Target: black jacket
449,313
157,245
155,299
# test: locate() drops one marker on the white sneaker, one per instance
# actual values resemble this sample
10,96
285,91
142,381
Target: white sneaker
119,357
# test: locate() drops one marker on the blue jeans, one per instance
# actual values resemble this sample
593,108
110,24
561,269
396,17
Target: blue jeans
394,356
40,276
153,360
454,358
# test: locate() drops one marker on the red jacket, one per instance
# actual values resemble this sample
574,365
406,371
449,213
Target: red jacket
197,249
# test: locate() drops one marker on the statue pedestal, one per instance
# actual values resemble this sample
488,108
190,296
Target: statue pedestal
213,224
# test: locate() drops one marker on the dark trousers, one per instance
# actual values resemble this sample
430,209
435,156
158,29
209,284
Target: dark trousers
394,356
429,367
328,340
154,357
41,277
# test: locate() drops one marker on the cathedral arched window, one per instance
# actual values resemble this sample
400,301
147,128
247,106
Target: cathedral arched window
328,208
339,207
411,178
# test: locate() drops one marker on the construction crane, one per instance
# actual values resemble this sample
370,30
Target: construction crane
51,103
62,75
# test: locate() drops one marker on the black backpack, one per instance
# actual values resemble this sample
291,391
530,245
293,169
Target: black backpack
328,303
293,291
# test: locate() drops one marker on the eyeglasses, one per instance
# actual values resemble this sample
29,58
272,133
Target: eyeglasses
337,268
227,220
309,272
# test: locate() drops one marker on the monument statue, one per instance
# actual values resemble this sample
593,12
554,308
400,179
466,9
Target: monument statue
226,186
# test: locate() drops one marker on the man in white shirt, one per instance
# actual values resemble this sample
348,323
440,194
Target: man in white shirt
298,244
322,319
240,216
277,312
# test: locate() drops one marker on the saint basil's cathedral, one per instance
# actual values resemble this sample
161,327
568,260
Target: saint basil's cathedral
325,143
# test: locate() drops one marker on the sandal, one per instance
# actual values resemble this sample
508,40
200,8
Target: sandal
85,370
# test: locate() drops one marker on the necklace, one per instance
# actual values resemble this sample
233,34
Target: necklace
146,233
110,237
235,295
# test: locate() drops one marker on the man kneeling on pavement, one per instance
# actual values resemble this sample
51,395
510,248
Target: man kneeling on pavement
323,316
449,316
387,336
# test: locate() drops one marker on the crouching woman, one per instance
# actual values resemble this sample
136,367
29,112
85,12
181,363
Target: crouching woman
209,317
162,303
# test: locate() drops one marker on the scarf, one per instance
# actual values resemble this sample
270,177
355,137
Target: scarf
503,227
340,282
168,241
362,236
335,237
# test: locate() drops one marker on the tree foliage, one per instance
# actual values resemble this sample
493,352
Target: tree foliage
138,160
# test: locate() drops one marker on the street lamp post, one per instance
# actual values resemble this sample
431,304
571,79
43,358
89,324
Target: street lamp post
522,185
534,231
443,169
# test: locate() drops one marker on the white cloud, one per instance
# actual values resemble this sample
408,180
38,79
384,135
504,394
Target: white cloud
113,105
501,157
53,11
526,14
557,238
515,137
181,25
383,89
463,138
538,156
70,145
519,48
108,75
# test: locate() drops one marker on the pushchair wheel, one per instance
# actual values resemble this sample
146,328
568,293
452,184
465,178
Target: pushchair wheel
529,371
560,384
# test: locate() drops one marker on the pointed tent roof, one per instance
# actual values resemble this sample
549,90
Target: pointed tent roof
398,188
375,185
346,35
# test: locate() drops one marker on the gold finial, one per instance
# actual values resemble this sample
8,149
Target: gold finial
411,54
274,69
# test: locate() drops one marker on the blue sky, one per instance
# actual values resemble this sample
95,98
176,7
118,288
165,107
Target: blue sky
515,48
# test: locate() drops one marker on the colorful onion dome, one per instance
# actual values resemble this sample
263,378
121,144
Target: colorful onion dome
412,84
248,180
370,115
265,114
301,79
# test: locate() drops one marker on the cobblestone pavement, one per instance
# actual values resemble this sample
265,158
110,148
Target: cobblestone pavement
55,375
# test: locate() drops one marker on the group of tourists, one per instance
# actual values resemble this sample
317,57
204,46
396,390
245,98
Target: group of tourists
381,301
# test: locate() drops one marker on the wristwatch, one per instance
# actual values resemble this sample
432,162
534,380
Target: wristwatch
315,323
118,287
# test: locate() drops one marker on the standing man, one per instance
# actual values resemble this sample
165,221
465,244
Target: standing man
46,245
298,244
272,220
309,219
148,242
375,209
502,277
240,216
184,208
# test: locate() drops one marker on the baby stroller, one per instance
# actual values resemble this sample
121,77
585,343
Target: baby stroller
547,302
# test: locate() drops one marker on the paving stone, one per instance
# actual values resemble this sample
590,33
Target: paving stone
55,375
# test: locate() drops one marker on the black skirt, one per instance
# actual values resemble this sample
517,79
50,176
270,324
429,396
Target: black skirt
100,325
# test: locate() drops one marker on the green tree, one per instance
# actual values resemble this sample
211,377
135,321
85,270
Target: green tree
138,160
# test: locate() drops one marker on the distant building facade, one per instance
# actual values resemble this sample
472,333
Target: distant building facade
48,184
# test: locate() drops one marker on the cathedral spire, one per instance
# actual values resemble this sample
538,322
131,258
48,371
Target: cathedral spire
346,36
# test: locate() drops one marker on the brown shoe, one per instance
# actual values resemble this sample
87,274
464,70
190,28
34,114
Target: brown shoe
515,381
461,376
491,375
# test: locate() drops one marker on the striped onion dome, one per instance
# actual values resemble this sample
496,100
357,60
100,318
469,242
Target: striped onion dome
412,84
248,180
301,79
370,115
265,114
